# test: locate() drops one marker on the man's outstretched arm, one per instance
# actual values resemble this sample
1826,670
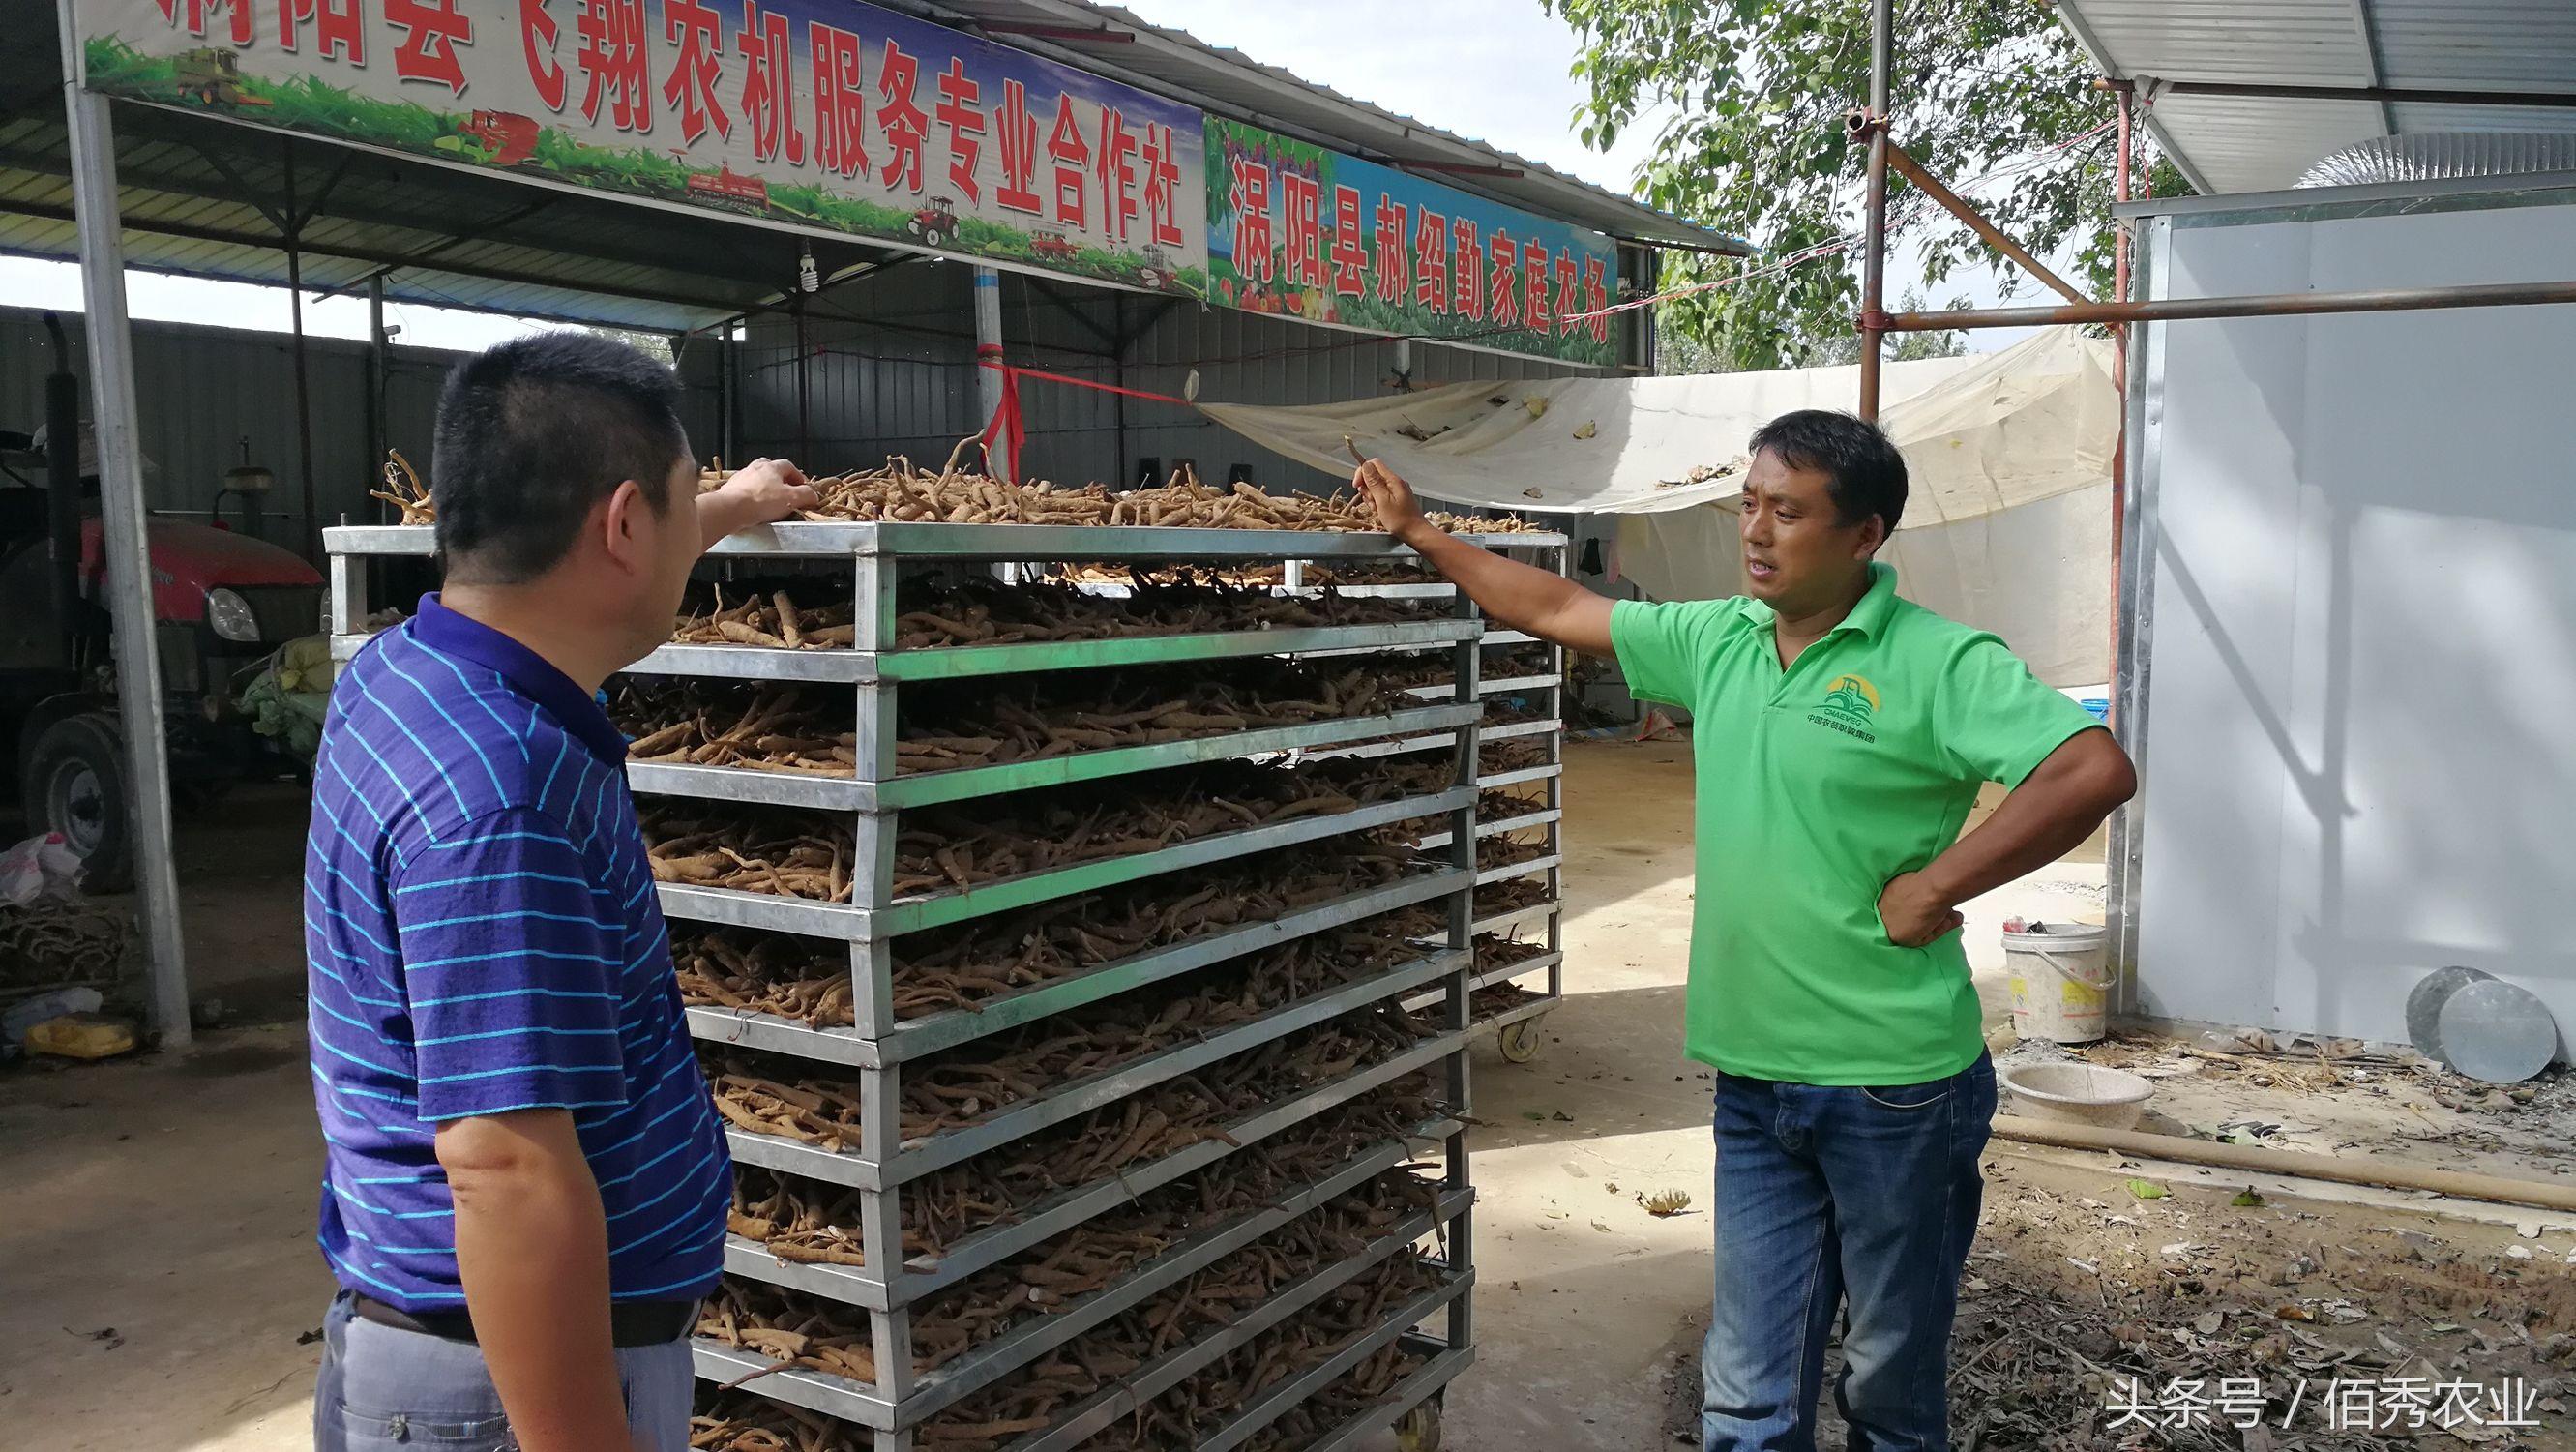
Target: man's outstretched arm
1524,597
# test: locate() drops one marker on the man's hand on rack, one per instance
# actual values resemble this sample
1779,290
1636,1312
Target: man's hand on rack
764,491
1524,597
1398,512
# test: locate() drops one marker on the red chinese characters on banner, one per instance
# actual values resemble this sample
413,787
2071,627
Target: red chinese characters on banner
1299,222
1350,247
431,32
1534,314
339,28
959,113
615,65
1569,292
537,36
901,118
1503,282
1469,293
1117,162
840,99
1394,268
769,86
1252,234
195,13
1431,262
1019,145
1596,296
1162,187
1072,157
690,88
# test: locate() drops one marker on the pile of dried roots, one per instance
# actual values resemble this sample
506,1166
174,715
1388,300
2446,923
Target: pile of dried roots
766,1094
991,1189
811,1331
970,964
787,852
805,1220
951,495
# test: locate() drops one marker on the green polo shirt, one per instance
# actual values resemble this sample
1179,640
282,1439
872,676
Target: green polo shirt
1816,785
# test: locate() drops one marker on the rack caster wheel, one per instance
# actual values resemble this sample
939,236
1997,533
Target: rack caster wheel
1520,1042
1419,1430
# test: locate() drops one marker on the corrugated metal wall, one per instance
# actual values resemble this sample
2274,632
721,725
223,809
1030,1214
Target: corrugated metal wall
890,371
201,391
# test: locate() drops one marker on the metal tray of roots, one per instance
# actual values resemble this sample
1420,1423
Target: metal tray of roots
929,788
1080,1096
846,921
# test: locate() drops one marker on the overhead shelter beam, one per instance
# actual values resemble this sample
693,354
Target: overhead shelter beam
390,261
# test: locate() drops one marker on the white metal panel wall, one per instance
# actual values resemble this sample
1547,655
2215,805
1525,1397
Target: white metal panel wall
2362,661
200,391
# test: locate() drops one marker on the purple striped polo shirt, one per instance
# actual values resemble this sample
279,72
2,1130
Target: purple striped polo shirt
481,935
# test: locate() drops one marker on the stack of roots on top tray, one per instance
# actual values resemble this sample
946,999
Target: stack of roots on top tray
1089,1026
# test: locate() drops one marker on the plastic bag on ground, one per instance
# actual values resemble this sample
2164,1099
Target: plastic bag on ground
38,869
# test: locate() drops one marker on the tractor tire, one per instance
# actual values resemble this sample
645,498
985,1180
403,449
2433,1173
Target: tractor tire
73,779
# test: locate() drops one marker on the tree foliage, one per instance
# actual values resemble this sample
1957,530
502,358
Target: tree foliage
1756,91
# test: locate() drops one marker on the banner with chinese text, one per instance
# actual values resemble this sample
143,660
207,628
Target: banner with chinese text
1303,232
827,113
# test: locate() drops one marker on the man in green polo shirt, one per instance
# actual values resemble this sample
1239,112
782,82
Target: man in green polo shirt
1840,734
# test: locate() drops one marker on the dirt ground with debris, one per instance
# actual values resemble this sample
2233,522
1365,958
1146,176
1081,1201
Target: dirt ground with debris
158,1282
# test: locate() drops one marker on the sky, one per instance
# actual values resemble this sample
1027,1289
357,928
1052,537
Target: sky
1505,82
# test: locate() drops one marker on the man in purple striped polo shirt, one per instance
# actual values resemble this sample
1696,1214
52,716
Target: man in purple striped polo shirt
525,1187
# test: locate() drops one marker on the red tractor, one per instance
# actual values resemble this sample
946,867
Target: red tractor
1052,247
730,189
511,137
934,224
221,603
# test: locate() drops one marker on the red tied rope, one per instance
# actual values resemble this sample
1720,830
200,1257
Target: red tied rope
1006,432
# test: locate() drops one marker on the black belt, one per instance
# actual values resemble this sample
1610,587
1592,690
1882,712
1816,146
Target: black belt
630,1323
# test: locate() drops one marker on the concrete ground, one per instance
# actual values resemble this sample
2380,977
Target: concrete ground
158,1286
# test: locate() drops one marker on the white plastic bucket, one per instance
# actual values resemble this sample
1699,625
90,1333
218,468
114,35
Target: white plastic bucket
2061,981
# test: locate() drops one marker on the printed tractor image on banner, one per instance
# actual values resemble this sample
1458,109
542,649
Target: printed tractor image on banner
1300,231
826,113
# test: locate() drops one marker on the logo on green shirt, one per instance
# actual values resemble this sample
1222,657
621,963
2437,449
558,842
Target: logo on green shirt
1849,706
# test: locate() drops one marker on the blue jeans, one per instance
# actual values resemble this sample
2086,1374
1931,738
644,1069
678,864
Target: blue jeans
1827,1195
389,1390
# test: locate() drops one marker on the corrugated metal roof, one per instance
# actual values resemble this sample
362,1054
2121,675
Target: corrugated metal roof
1228,82
2232,144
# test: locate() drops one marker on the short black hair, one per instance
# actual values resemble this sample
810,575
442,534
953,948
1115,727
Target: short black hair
532,435
1862,468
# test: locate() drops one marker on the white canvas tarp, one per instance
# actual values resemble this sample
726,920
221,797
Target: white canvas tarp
2009,453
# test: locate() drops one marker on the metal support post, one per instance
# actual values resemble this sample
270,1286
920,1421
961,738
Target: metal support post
1873,257
2119,378
129,553
988,362
303,368
1462,940
804,386
379,373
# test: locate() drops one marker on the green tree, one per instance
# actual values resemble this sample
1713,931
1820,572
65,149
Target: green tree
1755,146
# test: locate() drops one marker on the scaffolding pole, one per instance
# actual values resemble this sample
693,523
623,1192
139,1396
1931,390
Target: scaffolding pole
129,552
2248,305
1873,267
